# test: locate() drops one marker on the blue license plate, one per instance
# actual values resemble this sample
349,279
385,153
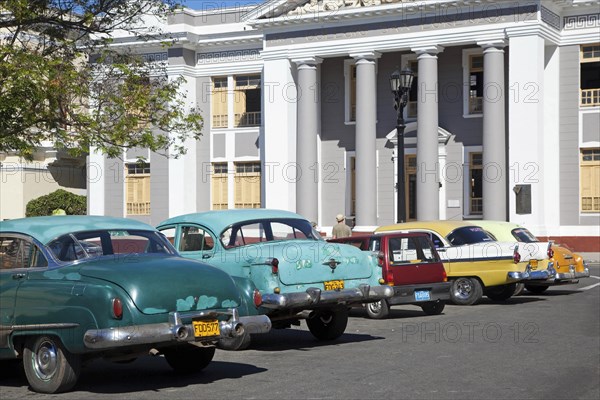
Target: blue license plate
422,295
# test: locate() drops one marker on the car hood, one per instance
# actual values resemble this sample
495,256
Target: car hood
161,284
307,262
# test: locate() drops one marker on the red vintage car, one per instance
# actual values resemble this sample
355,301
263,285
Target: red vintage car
411,265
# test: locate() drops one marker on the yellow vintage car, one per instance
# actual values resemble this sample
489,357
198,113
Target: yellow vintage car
569,267
476,264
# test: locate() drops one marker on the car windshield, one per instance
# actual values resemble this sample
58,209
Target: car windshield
468,235
267,230
90,244
523,235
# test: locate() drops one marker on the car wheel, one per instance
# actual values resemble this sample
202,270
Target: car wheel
536,289
378,310
520,288
186,359
501,293
237,343
49,367
433,307
328,324
466,291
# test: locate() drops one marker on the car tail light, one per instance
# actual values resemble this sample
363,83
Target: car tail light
117,308
550,251
275,266
389,277
444,275
257,298
516,257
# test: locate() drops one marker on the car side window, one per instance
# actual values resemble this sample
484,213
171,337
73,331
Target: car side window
375,244
194,238
20,253
67,249
437,242
169,233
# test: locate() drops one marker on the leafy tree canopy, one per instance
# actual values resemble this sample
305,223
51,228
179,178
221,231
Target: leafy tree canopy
61,82
58,202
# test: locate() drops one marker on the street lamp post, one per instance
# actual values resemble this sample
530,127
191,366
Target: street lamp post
400,82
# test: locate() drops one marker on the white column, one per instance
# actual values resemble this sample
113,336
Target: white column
442,156
182,171
428,169
95,182
526,126
494,132
309,103
278,141
365,142
551,142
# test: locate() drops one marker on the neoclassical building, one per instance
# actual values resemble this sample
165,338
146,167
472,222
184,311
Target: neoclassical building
502,119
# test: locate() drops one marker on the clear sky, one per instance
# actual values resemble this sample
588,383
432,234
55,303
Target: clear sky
206,4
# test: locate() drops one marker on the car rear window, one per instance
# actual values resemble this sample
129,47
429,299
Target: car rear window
468,235
267,230
414,249
90,244
523,235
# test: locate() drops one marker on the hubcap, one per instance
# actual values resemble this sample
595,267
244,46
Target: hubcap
375,307
45,360
463,288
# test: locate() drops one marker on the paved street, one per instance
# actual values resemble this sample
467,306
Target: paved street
534,347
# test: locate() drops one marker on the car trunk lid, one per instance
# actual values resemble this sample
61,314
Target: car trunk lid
304,262
169,283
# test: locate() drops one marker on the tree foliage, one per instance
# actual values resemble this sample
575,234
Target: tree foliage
71,203
62,82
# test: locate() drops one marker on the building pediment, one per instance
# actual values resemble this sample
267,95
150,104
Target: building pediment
282,8
317,6
410,135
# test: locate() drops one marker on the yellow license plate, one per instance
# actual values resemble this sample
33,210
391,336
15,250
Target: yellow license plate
334,285
206,328
533,263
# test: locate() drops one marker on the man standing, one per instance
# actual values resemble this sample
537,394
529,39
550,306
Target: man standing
341,230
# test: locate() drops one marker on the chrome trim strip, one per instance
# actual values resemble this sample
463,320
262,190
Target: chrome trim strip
65,325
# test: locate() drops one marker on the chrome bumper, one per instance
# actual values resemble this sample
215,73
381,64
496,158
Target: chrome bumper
529,275
316,297
559,276
176,330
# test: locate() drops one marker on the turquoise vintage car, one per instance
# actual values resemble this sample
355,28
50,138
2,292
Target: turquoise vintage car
300,275
74,288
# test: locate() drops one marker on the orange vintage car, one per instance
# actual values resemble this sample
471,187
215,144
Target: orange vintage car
569,266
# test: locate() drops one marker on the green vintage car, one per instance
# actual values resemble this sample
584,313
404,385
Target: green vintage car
74,288
301,276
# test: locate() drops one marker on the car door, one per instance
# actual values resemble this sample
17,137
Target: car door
17,255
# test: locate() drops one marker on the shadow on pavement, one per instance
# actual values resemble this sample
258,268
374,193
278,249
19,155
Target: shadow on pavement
299,339
143,374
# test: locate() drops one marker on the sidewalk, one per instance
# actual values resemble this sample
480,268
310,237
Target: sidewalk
591,257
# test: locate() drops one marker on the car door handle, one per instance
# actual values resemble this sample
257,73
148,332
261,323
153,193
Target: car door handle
205,256
18,276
